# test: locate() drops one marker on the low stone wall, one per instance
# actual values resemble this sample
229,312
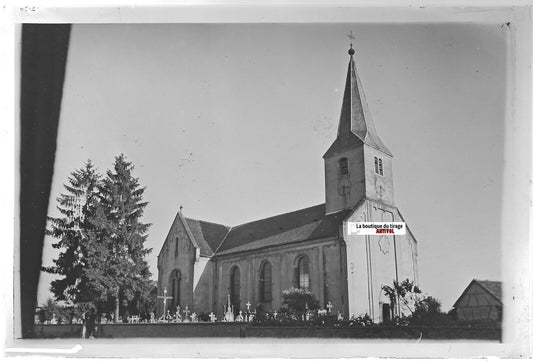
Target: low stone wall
246,330
199,329
57,331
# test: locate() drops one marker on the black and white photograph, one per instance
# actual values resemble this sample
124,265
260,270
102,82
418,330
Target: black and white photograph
239,185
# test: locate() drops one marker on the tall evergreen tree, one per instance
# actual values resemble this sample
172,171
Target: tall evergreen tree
77,208
117,268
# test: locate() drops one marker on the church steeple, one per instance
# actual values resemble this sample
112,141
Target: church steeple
355,118
358,164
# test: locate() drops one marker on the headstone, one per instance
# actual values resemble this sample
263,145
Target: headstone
53,321
329,306
212,317
275,314
228,312
239,318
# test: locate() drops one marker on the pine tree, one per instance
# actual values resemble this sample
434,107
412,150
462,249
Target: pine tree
71,229
117,268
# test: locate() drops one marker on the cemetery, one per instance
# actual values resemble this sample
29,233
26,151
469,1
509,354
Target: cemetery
322,323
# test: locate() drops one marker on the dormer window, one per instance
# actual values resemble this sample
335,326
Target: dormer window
378,166
343,165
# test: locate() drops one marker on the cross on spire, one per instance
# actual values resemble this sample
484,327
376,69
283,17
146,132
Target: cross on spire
352,38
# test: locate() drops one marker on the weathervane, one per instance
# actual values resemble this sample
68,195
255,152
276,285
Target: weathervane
352,38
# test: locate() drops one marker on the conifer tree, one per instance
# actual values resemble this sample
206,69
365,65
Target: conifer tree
76,207
117,268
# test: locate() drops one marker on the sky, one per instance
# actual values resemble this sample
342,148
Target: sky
231,122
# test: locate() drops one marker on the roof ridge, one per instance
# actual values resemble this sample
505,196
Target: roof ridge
201,220
277,215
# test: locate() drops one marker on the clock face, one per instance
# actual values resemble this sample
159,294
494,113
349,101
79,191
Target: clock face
344,187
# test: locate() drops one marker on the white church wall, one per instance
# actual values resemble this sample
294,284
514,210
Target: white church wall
375,261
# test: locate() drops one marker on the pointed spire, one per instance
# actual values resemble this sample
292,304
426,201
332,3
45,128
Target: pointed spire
356,118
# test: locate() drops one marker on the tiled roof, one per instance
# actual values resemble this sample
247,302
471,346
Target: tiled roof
301,225
208,235
492,287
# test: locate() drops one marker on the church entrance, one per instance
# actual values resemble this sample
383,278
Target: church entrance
385,312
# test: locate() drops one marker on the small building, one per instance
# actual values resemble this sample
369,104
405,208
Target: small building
480,301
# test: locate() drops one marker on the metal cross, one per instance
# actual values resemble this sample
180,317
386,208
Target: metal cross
329,306
165,298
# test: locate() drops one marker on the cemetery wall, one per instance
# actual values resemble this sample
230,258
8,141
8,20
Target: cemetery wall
57,331
246,330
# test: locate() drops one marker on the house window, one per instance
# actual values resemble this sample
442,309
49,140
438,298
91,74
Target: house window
265,283
378,166
176,249
175,287
302,273
343,165
235,288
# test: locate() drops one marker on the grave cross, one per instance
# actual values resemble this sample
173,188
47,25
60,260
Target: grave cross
329,306
275,314
248,304
165,298
212,317
186,312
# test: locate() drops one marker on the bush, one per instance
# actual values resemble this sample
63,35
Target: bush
298,300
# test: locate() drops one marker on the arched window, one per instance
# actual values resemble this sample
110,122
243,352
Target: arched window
235,288
343,166
265,283
302,272
176,249
175,288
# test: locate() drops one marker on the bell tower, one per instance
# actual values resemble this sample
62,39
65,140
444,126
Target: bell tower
357,164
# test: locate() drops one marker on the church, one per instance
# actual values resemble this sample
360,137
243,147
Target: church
202,263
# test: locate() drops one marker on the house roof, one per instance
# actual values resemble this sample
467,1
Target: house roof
494,288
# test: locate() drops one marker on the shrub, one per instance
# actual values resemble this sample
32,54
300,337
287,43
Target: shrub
298,299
